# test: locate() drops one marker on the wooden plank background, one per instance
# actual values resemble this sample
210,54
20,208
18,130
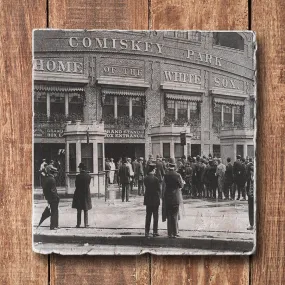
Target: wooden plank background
18,264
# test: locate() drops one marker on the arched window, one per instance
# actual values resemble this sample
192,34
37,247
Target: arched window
229,39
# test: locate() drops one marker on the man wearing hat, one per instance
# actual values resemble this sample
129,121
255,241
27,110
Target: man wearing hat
140,177
82,197
159,171
51,195
171,196
239,173
152,200
124,176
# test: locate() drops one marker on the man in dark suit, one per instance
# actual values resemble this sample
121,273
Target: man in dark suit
140,176
82,197
159,171
228,193
172,199
124,175
51,195
151,200
239,173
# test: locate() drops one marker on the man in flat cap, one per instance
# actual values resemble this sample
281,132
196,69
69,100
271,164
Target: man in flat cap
152,200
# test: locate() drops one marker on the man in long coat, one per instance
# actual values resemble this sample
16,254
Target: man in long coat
228,192
51,195
159,171
124,176
172,198
82,197
151,200
239,172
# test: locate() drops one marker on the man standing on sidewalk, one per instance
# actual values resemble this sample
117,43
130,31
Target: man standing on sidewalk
172,198
51,195
239,177
159,171
220,173
228,183
82,197
124,176
140,177
151,200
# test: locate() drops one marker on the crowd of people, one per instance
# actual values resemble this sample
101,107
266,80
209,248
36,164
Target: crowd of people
160,180
195,177
205,177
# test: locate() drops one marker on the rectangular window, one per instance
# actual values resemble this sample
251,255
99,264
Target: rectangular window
216,150
138,108
238,115
217,117
57,105
250,151
75,106
87,156
40,101
195,150
194,111
108,108
170,109
182,110
100,156
240,150
227,114
123,106
155,149
251,114
166,150
178,150
72,157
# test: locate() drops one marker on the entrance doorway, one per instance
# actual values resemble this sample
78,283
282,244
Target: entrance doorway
117,150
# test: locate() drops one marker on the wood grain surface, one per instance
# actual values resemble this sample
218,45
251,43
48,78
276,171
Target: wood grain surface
268,20
18,264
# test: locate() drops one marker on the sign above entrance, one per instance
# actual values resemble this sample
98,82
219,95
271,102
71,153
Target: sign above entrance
120,134
123,71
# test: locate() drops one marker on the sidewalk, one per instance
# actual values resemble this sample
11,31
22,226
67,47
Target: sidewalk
207,224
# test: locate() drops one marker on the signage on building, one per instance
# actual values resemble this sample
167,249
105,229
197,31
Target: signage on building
182,77
226,82
122,134
62,66
141,46
123,71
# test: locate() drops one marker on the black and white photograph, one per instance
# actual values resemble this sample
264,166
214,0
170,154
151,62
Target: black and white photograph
144,142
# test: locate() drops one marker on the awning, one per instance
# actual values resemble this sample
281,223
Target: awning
180,97
122,92
226,101
53,88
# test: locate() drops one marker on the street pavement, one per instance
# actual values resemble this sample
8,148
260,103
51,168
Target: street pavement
206,226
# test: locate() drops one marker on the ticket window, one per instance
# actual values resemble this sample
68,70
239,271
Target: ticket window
166,150
250,151
72,157
240,150
178,150
87,156
100,157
